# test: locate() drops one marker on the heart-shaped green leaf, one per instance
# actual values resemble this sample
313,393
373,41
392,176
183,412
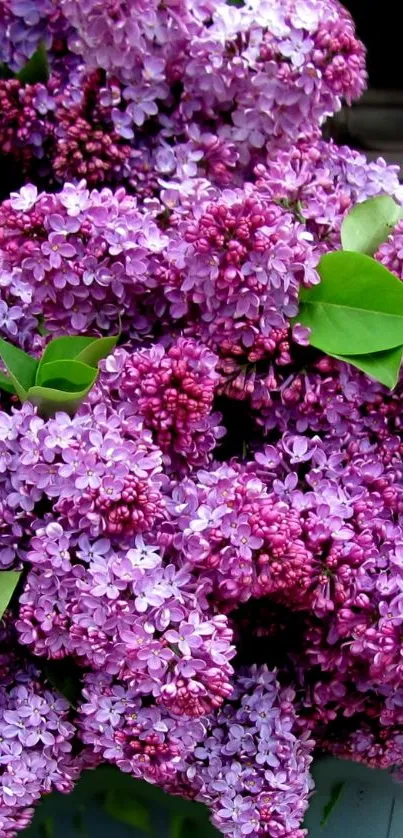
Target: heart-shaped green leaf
97,350
8,583
49,401
369,224
20,367
36,69
64,385
382,366
89,350
65,348
128,809
356,309
68,376
6,383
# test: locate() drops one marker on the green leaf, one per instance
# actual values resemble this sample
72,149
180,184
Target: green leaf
8,583
183,826
178,826
6,383
5,72
335,795
382,366
356,309
65,348
50,400
20,367
369,224
69,376
89,350
128,809
99,348
36,69
79,822
61,385
47,828
43,331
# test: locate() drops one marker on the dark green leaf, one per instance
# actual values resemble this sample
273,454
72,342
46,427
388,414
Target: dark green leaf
97,350
69,376
36,69
107,778
369,224
79,822
43,331
5,72
8,583
20,367
183,826
335,795
356,309
6,383
128,809
48,828
65,676
179,825
382,366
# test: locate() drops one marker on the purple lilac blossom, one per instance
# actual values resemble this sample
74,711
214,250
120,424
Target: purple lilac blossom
36,740
228,606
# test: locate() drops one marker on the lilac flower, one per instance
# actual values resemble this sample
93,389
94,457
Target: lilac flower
188,216
185,638
246,542
55,248
35,741
207,517
25,199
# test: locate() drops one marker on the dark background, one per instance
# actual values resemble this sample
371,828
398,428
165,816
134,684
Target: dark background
375,123
377,25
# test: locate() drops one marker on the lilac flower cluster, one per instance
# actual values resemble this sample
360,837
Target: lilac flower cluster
274,66
251,768
157,97
24,24
36,740
244,761
77,258
215,538
173,391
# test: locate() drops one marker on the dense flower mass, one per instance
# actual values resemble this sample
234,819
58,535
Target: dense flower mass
213,541
36,739
153,96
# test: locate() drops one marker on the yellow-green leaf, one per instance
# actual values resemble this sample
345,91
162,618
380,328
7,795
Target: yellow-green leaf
8,583
356,309
6,383
49,400
369,224
65,348
97,350
69,376
382,366
20,367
